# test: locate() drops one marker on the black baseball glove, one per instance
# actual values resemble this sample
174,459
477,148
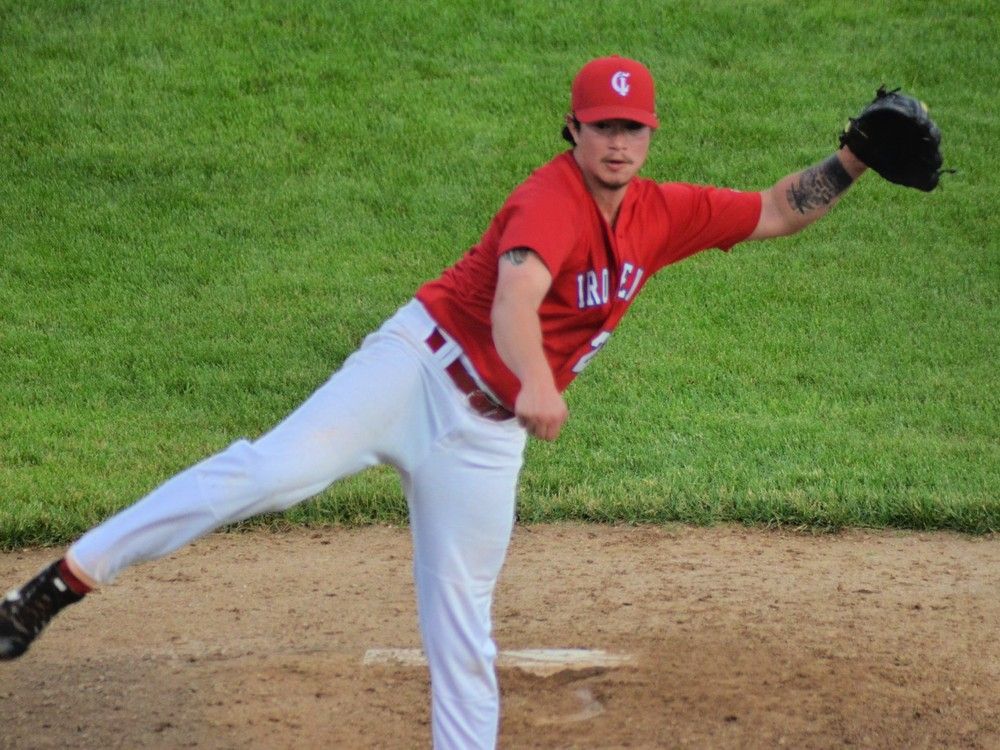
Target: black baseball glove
895,136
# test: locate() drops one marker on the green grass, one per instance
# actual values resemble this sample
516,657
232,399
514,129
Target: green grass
204,207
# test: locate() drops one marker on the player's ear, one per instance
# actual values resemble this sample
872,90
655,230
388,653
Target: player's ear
571,128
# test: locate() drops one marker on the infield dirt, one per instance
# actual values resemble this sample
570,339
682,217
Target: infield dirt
742,638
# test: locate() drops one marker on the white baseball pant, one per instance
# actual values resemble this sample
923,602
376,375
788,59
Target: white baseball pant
390,403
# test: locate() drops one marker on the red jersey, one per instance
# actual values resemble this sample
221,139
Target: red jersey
596,270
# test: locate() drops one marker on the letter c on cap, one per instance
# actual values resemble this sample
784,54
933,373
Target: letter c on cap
619,82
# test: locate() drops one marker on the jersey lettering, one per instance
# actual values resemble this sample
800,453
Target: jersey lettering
593,288
628,284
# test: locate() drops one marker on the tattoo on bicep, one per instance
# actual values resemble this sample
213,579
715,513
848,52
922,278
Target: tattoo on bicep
819,185
517,256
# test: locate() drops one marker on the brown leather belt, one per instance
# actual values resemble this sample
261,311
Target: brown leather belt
480,401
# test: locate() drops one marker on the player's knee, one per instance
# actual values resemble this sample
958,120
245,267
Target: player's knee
462,672
455,624
231,474
248,479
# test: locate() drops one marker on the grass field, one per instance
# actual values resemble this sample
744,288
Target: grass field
205,206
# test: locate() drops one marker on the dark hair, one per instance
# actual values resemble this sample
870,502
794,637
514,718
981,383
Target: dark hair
565,131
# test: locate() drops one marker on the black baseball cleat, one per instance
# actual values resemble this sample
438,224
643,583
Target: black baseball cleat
25,611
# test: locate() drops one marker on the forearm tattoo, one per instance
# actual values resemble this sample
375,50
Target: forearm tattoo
517,256
818,185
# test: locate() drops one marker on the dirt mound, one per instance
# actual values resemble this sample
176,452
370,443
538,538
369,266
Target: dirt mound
740,639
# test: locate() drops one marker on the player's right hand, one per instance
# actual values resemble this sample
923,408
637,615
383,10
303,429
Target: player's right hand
541,410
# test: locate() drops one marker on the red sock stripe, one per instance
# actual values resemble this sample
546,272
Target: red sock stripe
75,584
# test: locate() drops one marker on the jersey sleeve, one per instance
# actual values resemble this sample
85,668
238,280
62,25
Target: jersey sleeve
539,220
706,217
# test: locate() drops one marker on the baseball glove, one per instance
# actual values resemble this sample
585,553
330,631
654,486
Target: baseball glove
895,136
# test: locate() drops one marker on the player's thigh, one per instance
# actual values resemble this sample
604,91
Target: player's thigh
351,422
462,500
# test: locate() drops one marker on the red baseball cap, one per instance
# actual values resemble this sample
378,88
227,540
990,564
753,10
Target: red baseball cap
615,88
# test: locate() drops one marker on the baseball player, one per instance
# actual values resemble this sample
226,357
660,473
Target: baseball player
450,387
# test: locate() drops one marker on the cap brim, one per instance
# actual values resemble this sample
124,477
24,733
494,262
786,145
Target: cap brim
596,114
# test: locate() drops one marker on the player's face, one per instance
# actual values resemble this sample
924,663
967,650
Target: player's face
611,152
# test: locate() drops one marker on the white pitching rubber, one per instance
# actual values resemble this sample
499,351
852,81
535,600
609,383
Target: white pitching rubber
542,662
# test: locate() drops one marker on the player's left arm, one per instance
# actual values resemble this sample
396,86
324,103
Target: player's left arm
797,200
